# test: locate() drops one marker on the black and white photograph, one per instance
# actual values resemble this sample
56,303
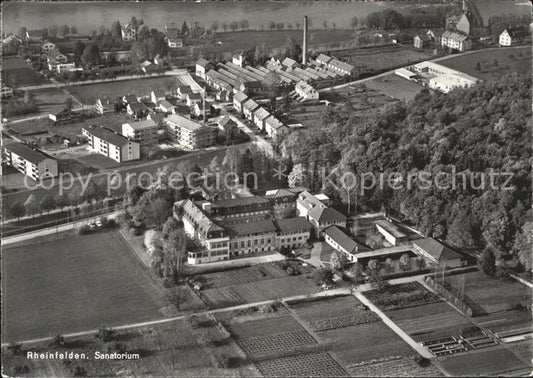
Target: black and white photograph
277,188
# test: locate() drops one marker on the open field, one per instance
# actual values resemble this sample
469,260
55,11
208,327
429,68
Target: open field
253,284
340,312
89,93
429,322
75,284
507,59
170,349
49,99
17,73
365,342
394,367
523,349
493,362
395,297
381,58
506,323
304,365
395,87
491,294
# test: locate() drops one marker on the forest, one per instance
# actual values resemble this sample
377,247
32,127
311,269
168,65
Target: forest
469,131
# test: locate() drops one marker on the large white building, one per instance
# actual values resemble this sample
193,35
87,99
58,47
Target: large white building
142,132
190,134
129,32
443,78
30,162
112,145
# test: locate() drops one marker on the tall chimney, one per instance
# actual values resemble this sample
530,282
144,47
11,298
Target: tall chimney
304,48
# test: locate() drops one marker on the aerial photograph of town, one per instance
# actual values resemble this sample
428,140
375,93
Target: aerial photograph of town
266,188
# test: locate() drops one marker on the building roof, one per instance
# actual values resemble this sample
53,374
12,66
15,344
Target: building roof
274,122
293,225
304,87
159,93
243,201
137,107
437,250
277,193
35,33
165,104
515,33
185,89
261,113
184,122
107,100
28,153
250,104
202,62
130,98
308,200
341,238
194,96
341,65
455,35
156,117
251,228
288,62
202,222
107,135
141,125
324,214
391,228
240,97
322,58
225,120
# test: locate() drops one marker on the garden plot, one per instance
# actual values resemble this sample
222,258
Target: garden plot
306,365
400,296
325,314
394,367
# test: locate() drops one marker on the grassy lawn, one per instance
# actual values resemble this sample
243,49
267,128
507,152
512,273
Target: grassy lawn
492,294
89,93
489,362
17,73
49,99
508,60
75,284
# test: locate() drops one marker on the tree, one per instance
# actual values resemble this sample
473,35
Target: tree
64,30
478,66
244,24
215,26
272,25
354,22
52,31
405,262
48,203
487,262
298,176
58,341
79,48
176,298
69,103
73,30
32,206
338,260
224,26
105,334
246,164
185,29
325,24
234,25
170,226
116,29
17,210
90,55
280,25
174,250
523,245
21,32
374,274
324,276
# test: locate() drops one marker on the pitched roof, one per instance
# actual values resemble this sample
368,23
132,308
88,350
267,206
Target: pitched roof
274,122
156,117
106,100
159,93
250,104
323,58
194,96
202,222
293,224
455,35
35,33
391,228
341,238
240,97
107,135
184,89
288,62
165,104
261,113
137,107
251,228
276,193
140,125
341,65
324,214
184,122
437,250
26,152
202,62
308,200
225,120
130,98
303,86
243,201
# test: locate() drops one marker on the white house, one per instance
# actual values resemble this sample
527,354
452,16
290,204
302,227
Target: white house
30,162
260,115
110,144
455,41
166,107
275,128
157,95
511,37
238,99
48,46
238,59
202,67
306,91
248,108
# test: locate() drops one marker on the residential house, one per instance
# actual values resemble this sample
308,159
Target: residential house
437,253
212,238
175,43
511,37
198,109
105,105
173,36
108,143
318,214
158,118
189,134
290,63
193,98
6,92
166,107
339,240
61,115
142,132
306,91
129,32
157,95
259,117
454,40
31,162
226,122
238,59
238,99
421,41
35,35
391,232
202,67
224,95
183,90
323,59
48,46
137,110
130,99
275,128
248,108
251,86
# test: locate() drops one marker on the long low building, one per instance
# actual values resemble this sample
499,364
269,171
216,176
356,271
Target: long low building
108,143
30,162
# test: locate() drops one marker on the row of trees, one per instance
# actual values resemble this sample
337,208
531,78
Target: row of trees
428,17
475,131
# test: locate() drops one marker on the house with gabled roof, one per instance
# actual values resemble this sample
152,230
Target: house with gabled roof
108,143
29,161
275,128
157,95
437,253
202,67
248,108
238,99
317,213
259,117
